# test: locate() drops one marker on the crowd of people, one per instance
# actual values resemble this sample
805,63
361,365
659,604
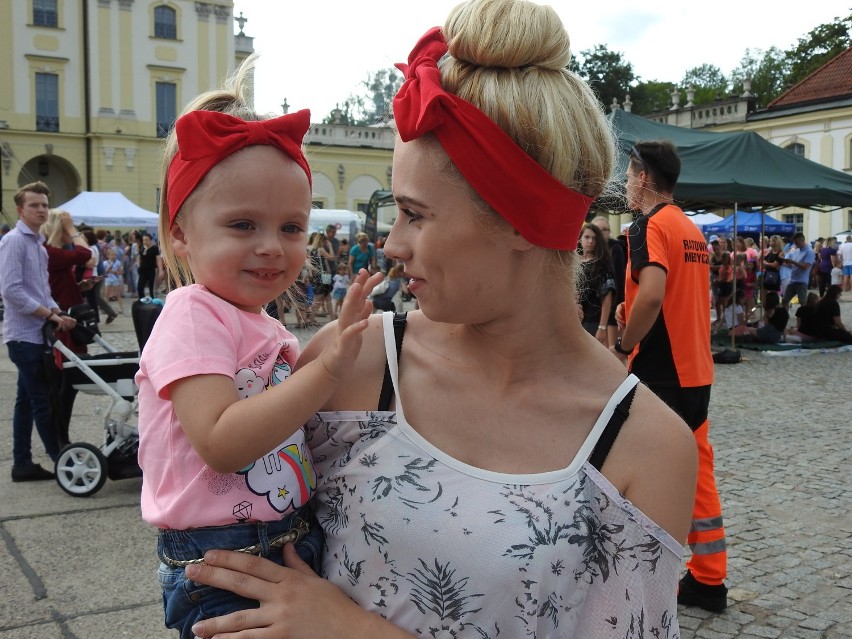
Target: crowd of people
782,271
341,464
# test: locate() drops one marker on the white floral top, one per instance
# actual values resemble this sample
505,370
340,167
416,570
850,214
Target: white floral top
444,549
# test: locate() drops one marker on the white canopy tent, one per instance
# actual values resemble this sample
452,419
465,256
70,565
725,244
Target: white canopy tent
699,219
108,210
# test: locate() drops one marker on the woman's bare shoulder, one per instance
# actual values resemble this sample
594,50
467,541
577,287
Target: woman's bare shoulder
654,463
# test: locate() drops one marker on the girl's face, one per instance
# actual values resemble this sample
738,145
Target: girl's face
587,241
460,269
245,232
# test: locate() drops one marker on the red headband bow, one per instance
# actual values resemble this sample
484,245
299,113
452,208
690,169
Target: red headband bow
541,208
205,138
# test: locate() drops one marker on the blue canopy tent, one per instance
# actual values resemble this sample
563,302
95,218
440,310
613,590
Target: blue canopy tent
751,223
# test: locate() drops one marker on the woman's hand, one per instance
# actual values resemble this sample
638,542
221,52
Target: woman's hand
294,602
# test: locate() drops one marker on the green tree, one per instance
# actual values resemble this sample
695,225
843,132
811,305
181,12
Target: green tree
768,71
819,46
651,96
373,104
607,72
708,81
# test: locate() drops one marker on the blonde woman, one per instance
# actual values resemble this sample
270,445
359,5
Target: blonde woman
471,498
362,255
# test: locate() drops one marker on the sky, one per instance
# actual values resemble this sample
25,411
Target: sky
316,54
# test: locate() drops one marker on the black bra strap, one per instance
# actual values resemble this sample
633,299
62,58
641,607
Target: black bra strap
399,323
611,430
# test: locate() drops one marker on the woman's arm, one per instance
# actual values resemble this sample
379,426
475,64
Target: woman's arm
229,433
294,602
606,305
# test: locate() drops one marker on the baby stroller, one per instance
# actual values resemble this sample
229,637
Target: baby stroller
82,468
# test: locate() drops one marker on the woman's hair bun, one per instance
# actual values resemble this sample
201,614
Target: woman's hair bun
507,34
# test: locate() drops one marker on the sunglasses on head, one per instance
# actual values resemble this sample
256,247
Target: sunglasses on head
634,153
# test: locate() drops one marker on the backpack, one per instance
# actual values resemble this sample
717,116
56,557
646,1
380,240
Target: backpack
727,356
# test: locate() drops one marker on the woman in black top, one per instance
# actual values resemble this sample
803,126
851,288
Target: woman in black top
827,322
595,282
771,265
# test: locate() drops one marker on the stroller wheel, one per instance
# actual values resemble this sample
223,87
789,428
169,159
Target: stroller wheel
81,469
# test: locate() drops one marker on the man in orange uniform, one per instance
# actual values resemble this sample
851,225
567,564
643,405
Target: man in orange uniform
666,335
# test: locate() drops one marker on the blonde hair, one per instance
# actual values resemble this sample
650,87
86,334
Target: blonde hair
52,228
233,98
509,58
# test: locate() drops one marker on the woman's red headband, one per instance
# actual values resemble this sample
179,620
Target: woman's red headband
205,138
536,204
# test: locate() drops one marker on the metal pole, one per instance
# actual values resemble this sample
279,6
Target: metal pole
734,291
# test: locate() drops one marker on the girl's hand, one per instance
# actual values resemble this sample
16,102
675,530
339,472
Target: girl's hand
294,602
339,355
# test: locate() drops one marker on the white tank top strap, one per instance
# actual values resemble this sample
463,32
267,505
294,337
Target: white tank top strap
591,440
392,356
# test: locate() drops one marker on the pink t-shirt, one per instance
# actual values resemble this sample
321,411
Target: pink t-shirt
199,333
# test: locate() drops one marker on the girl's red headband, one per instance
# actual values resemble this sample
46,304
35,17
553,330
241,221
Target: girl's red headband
536,204
205,138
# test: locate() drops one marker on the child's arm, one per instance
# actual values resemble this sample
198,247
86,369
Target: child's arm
229,433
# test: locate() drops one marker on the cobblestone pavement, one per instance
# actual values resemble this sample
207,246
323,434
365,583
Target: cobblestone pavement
781,428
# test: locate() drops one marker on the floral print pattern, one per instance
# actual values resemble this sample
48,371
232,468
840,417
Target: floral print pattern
444,552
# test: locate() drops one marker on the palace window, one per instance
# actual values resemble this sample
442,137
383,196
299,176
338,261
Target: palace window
166,107
45,13
795,218
47,101
165,23
796,148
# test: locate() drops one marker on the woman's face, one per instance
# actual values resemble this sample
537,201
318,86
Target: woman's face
460,269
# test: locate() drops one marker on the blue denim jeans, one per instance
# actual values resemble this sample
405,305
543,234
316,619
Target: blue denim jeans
185,602
31,404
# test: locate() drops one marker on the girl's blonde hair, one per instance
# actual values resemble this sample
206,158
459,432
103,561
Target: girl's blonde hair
509,58
52,228
234,98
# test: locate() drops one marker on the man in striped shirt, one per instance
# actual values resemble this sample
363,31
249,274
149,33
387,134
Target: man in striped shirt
28,304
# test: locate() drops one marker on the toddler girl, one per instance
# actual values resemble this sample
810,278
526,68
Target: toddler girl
340,285
221,446
113,271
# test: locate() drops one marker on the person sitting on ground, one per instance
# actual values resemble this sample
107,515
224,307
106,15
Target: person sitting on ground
805,330
734,315
775,318
827,322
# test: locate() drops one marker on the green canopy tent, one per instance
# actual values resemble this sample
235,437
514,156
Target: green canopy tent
724,169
